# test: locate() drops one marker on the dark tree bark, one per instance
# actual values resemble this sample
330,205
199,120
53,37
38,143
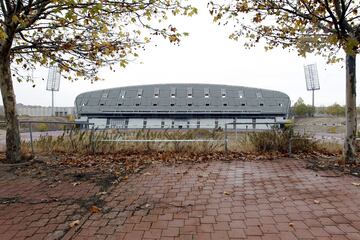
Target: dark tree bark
7,91
351,123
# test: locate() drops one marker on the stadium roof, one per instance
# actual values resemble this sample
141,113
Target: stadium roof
183,98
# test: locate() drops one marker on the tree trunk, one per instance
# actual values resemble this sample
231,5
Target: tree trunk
12,123
350,137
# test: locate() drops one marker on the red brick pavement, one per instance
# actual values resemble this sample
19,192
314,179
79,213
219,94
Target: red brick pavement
234,200
216,200
34,209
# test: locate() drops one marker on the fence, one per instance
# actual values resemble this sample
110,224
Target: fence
30,125
223,137
268,126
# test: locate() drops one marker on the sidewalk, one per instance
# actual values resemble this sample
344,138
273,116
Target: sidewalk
277,199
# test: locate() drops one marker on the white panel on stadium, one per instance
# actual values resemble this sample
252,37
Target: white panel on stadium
136,123
246,124
153,123
99,123
265,126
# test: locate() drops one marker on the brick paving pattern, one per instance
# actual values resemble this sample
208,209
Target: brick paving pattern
277,199
33,209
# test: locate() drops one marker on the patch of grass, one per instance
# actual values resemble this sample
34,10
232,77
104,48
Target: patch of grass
78,141
331,148
277,140
42,127
332,129
83,142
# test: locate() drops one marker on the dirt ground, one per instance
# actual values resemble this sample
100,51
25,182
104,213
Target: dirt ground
323,128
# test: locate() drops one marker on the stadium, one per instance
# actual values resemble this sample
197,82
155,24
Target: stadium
179,106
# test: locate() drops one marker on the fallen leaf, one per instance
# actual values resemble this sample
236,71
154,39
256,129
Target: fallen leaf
74,223
316,201
356,184
147,174
101,193
95,209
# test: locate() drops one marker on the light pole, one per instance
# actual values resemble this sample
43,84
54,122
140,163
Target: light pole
53,84
312,81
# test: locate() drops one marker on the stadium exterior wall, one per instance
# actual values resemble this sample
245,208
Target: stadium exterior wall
181,106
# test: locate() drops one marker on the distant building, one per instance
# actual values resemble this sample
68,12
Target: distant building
182,106
40,111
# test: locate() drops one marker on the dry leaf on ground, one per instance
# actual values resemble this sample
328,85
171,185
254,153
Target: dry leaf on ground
95,209
74,223
101,193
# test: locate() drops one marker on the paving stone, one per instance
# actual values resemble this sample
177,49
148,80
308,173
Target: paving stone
268,200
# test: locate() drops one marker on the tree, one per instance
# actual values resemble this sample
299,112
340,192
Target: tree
79,36
322,27
303,110
335,109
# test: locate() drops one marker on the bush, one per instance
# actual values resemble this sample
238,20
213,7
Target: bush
331,129
277,140
335,110
70,118
43,127
302,110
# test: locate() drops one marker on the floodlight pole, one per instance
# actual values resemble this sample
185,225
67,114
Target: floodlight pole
53,84
52,102
313,102
312,82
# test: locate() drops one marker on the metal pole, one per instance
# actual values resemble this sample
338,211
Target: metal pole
93,139
313,102
290,142
52,102
31,140
235,131
225,138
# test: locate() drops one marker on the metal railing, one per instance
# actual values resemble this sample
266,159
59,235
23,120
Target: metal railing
30,124
186,127
249,127
269,126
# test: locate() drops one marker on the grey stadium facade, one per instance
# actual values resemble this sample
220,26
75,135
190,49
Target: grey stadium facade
176,106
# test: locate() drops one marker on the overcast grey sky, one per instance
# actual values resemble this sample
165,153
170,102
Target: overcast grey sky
206,56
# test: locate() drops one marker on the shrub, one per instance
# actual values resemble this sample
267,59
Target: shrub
43,127
302,110
277,140
70,118
335,110
331,129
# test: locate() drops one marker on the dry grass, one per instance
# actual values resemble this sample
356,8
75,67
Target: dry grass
330,147
83,142
276,140
76,141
